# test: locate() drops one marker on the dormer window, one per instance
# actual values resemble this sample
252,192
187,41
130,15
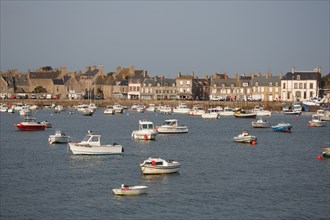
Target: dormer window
166,84
150,84
158,84
223,85
270,84
276,84
298,77
144,84
256,84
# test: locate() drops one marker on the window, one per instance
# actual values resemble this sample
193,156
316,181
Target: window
283,85
270,84
304,85
311,86
298,77
276,84
270,89
296,85
256,84
158,84
188,82
300,85
181,82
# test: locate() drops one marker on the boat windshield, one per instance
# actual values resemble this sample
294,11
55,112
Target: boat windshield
147,126
86,138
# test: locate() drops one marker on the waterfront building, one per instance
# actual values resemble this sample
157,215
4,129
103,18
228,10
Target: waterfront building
185,86
301,85
266,88
135,84
158,88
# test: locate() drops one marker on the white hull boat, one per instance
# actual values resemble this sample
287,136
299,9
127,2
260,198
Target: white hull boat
171,126
109,110
316,121
245,137
227,112
261,123
91,145
159,166
58,138
146,131
165,109
125,190
181,109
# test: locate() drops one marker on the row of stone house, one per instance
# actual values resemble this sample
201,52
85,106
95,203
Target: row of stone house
129,83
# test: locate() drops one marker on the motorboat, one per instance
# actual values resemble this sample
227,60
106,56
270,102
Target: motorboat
151,108
166,109
156,165
3,108
261,123
245,137
211,113
289,110
82,107
245,114
126,190
326,151
91,145
30,124
109,110
146,131
87,112
182,108
196,111
316,121
282,127
58,109
25,112
227,111
140,109
118,108
297,107
171,126
261,111
324,117
58,138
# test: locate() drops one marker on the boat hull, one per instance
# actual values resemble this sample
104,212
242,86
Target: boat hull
144,135
86,149
130,191
246,139
317,123
261,125
282,128
154,169
172,130
38,127
58,139
252,115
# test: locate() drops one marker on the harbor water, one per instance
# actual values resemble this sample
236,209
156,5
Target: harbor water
278,178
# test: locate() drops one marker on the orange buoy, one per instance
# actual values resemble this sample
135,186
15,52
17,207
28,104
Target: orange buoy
153,162
145,136
254,142
319,157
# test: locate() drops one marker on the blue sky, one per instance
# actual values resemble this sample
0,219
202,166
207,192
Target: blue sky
166,37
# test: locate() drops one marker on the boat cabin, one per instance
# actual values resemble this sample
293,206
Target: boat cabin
92,139
146,125
171,122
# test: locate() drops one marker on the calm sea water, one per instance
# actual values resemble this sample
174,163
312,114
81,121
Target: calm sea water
279,178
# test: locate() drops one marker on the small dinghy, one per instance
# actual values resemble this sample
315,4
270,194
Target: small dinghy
126,190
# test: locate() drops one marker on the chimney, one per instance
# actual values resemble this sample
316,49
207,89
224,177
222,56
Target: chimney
179,74
88,68
293,69
259,74
101,69
252,75
268,74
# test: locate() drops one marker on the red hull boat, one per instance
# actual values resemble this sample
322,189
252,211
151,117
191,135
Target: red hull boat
29,124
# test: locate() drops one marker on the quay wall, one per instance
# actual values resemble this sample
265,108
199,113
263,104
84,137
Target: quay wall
273,106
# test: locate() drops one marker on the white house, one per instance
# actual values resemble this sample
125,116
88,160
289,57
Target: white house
301,85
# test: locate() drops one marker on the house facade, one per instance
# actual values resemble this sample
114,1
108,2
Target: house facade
301,85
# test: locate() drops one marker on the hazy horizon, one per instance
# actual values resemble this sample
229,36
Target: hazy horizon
166,37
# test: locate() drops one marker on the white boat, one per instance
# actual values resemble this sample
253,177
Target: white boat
154,165
87,112
166,109
146,131
91,145
316,121
47,124
171,126
196,111
109,110
82,107
245,114
11,110
118,108
3,108
261,123
126,190
261,112
59,137
211,113
245,137
58,109
324,114
25,112
151,108
182,108
227,111
140,109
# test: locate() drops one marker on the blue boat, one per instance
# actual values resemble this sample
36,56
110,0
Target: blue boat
282,127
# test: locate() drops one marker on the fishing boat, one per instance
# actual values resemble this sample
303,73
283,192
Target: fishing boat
227,111
126,190
58,138
30,124
91,145
87,112
171,126
146,131
245,114
156,165
211,113
261,123
282,127
118,108
260,111
165,109
316,121
151,108
182,108
196,111
245,137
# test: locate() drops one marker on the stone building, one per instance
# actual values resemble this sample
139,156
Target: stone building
266,88
186,86
158,88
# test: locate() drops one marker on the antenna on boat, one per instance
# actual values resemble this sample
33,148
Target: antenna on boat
90,132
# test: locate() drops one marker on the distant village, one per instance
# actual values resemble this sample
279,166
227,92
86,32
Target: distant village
132,84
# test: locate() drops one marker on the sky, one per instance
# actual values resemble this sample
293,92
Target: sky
166,37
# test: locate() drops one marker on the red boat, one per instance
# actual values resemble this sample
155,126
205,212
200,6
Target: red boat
30,124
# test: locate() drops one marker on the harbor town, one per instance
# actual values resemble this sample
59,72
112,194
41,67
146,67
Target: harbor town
48,85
